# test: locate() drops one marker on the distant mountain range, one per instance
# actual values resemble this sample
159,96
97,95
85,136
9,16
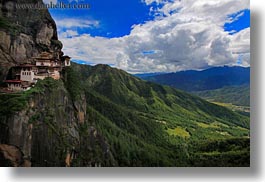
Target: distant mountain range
220,84
144,75
209,79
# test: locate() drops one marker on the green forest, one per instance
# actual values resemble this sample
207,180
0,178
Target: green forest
143,123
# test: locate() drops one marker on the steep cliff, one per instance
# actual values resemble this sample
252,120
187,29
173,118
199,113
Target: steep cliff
50,128
46,126
24,33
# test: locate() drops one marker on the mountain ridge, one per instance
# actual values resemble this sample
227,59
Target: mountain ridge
209,79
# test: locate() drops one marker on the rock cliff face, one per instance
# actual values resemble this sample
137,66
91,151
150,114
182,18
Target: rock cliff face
24,33
49,129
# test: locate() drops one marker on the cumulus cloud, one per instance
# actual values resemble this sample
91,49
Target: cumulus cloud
188,35
240,42
240,46
92,49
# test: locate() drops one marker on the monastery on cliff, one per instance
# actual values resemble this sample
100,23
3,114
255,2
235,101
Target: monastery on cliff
26,75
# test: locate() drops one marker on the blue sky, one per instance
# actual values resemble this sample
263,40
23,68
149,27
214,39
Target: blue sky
152,35
238,23
116,17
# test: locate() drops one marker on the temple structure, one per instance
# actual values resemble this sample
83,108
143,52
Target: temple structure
24,76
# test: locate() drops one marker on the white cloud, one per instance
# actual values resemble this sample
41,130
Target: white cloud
73,1
49,1
215,11
240,42
69,34
240,46
190,35
76,23
92,49
148,2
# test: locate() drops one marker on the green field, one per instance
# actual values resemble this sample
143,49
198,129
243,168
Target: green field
179,132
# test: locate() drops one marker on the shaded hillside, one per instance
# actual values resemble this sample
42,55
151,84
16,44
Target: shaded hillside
237,95
124,89
213,78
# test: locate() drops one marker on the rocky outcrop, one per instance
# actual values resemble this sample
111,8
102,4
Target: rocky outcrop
45,34
24,34
81,108
12,156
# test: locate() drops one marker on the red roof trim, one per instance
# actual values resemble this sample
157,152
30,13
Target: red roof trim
44,60
13,81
